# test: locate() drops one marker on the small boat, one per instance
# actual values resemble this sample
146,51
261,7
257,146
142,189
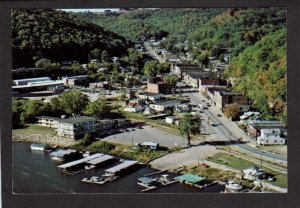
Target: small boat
39,147
234,187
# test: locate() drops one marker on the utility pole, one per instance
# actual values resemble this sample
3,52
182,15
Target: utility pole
229,150
261,153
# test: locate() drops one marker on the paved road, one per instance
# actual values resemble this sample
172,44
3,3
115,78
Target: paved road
226,129
153,54
147,134
188,156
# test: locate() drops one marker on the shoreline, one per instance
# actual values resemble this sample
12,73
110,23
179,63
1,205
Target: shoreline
42,139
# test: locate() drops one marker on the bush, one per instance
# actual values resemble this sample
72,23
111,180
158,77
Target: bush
101,146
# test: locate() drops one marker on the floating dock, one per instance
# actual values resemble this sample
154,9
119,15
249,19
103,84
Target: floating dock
91,161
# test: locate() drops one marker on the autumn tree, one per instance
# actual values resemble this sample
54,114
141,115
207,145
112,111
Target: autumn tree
232,110
189,125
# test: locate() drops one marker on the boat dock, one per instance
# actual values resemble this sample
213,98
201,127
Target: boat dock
116,169
155,173
149,188
86,162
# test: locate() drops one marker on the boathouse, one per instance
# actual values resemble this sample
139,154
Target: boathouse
190,179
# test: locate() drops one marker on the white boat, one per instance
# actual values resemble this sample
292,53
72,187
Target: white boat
231,186
38,147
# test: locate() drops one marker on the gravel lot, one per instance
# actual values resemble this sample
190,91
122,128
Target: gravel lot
148,133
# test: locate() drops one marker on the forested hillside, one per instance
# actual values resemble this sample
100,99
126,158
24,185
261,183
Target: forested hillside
58,36
255,39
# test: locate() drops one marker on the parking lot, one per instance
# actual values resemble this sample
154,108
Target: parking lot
146,134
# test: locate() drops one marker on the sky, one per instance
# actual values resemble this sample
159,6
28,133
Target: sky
91,10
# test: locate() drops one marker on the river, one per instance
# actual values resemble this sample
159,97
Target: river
34,172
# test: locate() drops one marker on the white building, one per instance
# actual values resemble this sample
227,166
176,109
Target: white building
19,82
254,173
73,127
151,96
161,106
133,107
48,121
270,137
170,119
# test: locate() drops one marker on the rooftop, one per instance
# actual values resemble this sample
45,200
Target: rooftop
78,119
121,166
190,178
168,102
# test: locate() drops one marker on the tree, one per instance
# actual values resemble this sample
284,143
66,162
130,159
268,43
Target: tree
43,63
171,81
189,125
150,68
96,53
232,110
98,109
73,101
86,140
105,56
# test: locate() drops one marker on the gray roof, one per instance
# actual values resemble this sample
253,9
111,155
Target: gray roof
79,119
121,166
49,117
76,162
168,102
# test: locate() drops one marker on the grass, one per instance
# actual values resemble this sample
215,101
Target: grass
209,173
35,129
239,163
127,151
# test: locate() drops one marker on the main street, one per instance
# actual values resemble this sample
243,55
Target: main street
227,130
152,53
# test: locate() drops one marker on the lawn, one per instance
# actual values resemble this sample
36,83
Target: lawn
35,129
239,163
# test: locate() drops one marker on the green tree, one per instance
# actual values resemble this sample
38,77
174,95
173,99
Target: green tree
43,63
150,68
105,56
73,101
98,109
96,53
189,125
171,81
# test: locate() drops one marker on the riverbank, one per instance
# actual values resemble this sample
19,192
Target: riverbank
42,139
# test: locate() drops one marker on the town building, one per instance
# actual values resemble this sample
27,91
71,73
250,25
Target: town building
47,121
75,80
156,85
270,137
149,111
151,96
34,84
163,105
221,99
133,107
170,119
76,126
254,127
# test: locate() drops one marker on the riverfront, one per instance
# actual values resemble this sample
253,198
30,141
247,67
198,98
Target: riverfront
34,172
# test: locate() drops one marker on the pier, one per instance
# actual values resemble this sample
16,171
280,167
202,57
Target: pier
86,162
116,169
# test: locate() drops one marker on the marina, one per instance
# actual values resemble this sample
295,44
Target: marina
85,163
36,173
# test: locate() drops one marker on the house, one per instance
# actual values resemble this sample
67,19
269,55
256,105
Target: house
163,105
149,111
64,155
129,94
151,96
254,127
248,116
133,107
151,145
254,174
270,137
157,85
93,61
75,80
178,68
221,99
76,126
170,119
48,121
168,55
193,76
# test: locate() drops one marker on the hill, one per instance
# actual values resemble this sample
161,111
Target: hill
58,36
